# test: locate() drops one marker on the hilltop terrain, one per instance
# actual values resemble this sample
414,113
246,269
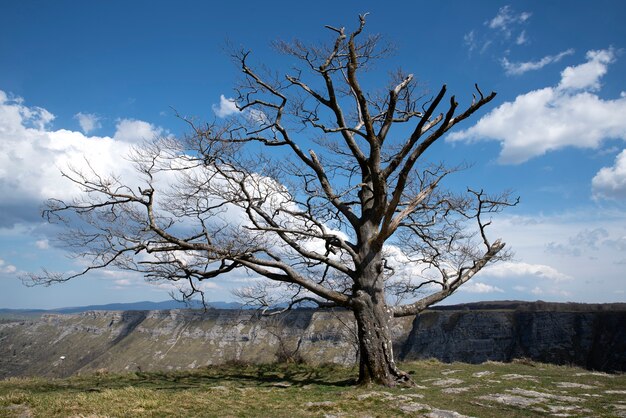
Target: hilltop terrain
57,345
489,390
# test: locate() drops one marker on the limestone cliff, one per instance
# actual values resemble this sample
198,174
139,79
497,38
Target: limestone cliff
59,345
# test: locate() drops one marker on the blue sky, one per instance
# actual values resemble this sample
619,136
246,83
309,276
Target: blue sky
89,78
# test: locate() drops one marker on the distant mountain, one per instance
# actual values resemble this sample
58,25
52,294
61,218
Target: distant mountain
133,306
173,304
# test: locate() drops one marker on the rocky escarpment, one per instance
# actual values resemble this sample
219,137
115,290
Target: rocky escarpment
59,345
594,340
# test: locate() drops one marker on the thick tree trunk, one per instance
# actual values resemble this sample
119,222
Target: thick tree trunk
376,361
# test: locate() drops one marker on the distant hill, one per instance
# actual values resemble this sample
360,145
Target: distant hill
133,306
55,344
194,304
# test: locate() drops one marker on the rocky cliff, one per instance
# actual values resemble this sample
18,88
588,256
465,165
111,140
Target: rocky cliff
59,345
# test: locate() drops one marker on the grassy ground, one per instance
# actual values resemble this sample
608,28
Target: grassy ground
520,389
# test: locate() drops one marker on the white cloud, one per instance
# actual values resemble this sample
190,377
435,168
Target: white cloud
470,40
32,156
519,68
552,118
610,182
7,268
587,76
478,287
131,130
506,19
589,263
227,107
521,38
88,121
42,244
542,291
517,269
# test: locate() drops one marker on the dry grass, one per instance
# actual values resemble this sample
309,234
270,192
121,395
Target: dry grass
518,389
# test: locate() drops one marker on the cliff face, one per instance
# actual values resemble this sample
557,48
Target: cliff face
595,340
59,345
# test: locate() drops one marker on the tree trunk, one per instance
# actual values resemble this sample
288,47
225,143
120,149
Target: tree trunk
376,361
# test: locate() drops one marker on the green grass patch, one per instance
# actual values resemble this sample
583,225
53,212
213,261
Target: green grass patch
519,389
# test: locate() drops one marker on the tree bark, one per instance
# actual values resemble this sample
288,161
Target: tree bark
376,360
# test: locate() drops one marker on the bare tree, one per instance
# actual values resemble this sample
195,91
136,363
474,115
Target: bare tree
315,184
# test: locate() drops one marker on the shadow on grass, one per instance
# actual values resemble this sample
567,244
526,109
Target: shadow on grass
271,375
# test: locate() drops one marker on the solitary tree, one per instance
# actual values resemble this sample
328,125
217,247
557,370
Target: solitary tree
315,184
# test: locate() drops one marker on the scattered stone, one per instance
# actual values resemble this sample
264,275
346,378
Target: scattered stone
281,385
365,396
544,395
322,404
482,374
563,408
616,392
595,374
574,385
515,376
386,395
414,407
455,390
408,397
447,372
447,382
506,399
441,413
223,388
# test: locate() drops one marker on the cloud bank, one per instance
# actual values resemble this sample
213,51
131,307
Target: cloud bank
32,155
567,115
519,68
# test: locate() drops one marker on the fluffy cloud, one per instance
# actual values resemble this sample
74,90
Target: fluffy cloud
610,182
32,156
505,27
506,18
6,268
579,252
516,269
136,131
568,115
227,107
42,244
587,75
519,68
88,121
478,287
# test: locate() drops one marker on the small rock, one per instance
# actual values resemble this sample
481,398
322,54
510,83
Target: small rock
447,372
616,392
223,388
520,376
447,382
281,385
574,385
319,404
544,395
513,400
455,390
414,407
441,413
595,374
482,374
